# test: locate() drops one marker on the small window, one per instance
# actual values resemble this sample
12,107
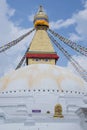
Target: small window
62,91
57,90
46,59
37,59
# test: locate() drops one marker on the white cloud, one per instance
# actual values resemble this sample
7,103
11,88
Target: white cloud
82,61
5,9
81,23
8,32
79,20
31,17
74,37
61,23
85,3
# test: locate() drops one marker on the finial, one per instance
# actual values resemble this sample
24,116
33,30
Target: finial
40,8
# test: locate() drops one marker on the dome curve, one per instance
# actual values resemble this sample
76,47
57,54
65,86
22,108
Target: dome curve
42,76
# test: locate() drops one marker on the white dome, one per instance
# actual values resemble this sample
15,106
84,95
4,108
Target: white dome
42,76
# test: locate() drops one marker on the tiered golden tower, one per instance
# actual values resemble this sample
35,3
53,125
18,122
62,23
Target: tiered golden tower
41,49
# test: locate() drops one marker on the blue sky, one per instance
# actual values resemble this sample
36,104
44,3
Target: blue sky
67,17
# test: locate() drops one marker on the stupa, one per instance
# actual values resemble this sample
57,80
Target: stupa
42,95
